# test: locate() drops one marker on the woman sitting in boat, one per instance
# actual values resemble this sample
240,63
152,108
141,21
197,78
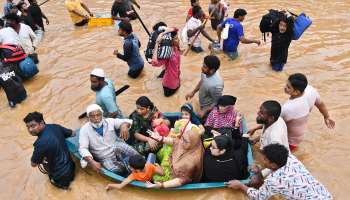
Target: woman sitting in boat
226,159
223,119
186,160
143,117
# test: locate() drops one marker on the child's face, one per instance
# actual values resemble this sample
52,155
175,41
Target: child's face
282,27
185,115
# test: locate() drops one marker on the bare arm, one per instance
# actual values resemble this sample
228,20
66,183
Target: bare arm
324,111
219,30
120,185
195,90
205,34
249,41
86,8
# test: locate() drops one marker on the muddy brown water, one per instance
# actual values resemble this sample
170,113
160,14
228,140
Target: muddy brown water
61,92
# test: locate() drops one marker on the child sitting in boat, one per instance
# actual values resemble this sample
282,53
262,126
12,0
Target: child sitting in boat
141,171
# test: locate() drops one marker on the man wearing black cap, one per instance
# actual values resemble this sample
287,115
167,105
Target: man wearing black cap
210,86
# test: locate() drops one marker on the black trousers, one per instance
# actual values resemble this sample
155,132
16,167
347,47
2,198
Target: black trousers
134,73
82,23
64,181
169,92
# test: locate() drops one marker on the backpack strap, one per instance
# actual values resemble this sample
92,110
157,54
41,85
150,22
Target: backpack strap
23,56
7,46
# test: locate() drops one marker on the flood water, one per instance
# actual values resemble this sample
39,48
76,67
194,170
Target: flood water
61,91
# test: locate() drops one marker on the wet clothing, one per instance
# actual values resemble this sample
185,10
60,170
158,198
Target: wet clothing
132,54
279,48
218,16
292,181
234,34
121,9
35,12
51,146
75,5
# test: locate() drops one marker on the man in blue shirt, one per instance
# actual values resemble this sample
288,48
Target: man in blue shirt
105,94
235,34
50,149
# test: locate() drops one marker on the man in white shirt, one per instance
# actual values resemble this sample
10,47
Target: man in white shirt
296,109
193,26
99,144
8,35
274,127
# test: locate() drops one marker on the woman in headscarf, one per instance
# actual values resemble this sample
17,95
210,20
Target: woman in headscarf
223,119
226,159
186,160
171,78
143,117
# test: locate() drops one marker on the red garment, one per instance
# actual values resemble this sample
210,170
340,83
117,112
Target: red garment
162,129
171,77
190,12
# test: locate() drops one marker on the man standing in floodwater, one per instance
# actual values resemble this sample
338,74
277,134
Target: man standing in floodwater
50,149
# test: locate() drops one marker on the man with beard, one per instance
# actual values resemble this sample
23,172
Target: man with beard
274,127
105,94
210,86
100,145
51,147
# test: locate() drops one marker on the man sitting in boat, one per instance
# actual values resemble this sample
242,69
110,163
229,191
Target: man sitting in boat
100,144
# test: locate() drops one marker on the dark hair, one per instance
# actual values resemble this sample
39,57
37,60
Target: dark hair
14,17
2,22
223,142
290,24
125,26
273,108
227,100
145,102
187,107
196,10
34,116
276,153
298,81
30,1
19,5
157,25
239,12
137,162
98,78
193,1
212,62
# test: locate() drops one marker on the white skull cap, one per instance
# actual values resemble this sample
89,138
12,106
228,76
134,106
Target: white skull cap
98,72
93,107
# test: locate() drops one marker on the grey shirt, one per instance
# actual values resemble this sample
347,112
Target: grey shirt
210,90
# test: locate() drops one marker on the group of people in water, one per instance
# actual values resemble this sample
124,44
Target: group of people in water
205,145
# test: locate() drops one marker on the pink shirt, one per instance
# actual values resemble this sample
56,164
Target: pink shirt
171,77
295,113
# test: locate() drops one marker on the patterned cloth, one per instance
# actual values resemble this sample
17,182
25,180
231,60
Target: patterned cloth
293,181
118,163
219,120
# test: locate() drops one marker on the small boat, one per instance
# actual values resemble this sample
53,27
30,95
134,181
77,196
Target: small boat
73,146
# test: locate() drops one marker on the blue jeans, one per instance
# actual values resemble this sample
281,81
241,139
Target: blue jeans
231,55
278,67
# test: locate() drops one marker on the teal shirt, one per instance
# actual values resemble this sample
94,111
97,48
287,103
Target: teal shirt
107,100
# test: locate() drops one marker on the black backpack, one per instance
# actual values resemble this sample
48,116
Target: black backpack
269,22
165,46
12,85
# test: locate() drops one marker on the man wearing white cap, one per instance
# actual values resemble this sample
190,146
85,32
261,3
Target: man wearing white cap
105,93
99,144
